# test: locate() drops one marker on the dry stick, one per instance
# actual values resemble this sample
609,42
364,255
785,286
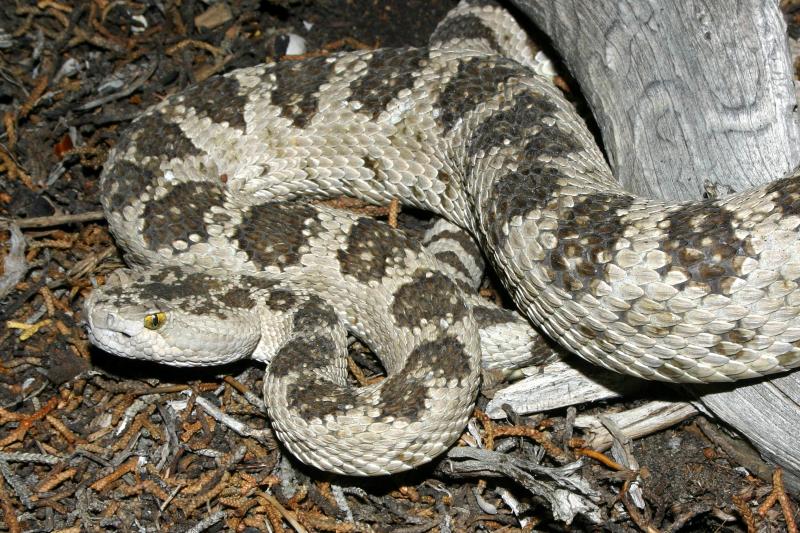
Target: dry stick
127,91
289,516
207,522
601,457
54,220
641,521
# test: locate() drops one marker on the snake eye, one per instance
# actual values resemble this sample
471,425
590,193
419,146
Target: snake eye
155,320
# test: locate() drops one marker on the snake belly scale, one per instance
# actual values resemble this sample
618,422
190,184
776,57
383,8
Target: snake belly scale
202,194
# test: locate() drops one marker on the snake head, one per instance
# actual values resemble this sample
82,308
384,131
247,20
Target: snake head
173,317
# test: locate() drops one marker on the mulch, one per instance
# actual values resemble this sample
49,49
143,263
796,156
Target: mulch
90,442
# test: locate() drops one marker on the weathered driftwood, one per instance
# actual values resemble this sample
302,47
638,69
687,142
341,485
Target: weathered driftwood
683,92
637,422
686,94
560,384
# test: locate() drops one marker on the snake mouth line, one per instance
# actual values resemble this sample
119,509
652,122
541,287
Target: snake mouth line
107,339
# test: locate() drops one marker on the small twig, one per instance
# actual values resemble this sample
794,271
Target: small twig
54,220
25,422
127,91
48,484
229,421
28,330
36,94
249,395
642,522
217,52
786,506
488,429
207,522
21,457
16,484
287,515
9,164
356,372
601,457
207,492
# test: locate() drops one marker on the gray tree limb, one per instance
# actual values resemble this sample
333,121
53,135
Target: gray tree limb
684,92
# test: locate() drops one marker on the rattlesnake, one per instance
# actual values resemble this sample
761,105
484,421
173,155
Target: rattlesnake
202,193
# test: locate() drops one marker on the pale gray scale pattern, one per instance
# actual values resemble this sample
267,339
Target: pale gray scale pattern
310,275
467,129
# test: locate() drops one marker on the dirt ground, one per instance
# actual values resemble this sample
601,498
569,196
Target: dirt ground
89,442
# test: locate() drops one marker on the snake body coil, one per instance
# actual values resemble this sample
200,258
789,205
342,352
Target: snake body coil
198,192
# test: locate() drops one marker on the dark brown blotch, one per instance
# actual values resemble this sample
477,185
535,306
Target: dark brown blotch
532,185
403,397
315,313
479,79
275,233
237,298
553,142
522,121
429,296
389,71
311,394
463,238
219,99
490,315
259,282
787,198
593,223
128,181
319,398
297,86
186,286
690,228
155,136
467,26
281,300
180,214
372,247
304,354
454,260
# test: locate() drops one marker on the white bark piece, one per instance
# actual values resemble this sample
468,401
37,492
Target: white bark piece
634,423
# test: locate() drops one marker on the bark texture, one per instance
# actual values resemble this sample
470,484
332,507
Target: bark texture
684,92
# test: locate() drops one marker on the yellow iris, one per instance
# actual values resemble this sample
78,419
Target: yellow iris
155,320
